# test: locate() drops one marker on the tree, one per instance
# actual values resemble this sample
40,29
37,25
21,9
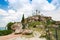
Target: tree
37,12
23,22
9,25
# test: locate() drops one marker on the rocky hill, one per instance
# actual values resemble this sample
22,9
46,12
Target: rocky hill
42,20
38,26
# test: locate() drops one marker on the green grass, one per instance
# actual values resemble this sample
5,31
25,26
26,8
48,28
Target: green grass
28,36
32,24
58,34
53,32
39,29
36,29
5,32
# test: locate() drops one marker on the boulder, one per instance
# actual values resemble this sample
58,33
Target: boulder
16,26
40,26
18,31
36,34
27,32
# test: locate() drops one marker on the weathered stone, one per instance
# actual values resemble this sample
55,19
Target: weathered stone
18,31
36,34
26,31
17,27
40,26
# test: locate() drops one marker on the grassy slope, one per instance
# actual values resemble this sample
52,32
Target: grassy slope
38,29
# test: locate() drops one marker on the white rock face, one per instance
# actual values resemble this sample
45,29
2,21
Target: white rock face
17,27
24,38
26,31
36,34
18,30
34,38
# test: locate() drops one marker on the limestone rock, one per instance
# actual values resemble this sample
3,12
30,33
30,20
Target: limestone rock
17,27
26,31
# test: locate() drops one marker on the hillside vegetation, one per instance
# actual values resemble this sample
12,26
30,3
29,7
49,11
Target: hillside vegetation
46,26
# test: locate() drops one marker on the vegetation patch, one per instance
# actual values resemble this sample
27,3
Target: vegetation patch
5,32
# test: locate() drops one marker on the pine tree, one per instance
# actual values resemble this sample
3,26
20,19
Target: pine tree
37,12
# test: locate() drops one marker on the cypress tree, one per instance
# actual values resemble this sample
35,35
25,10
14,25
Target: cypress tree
22,21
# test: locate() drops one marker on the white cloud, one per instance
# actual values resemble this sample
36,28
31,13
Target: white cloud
8,16
43,5
48,7
2,11
54,14
56,3
11,11
24,7
11,1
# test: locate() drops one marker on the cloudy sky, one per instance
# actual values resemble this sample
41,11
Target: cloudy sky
12,10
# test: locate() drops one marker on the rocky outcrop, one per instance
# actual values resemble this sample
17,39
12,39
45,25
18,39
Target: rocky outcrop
27,32
40,26
17,27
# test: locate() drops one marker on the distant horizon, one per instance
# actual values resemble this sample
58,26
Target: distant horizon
3,28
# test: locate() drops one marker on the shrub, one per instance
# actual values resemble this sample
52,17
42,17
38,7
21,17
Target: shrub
5,32
32,24
9,25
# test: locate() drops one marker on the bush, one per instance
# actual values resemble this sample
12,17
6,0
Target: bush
5,32
9,25
32,24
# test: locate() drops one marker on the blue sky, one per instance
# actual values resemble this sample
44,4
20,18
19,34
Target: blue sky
4,4
49,1
12,10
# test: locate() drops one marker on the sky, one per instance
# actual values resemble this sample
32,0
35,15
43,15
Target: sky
12,10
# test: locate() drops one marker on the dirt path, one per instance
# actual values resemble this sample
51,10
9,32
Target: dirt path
19,37
9,37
